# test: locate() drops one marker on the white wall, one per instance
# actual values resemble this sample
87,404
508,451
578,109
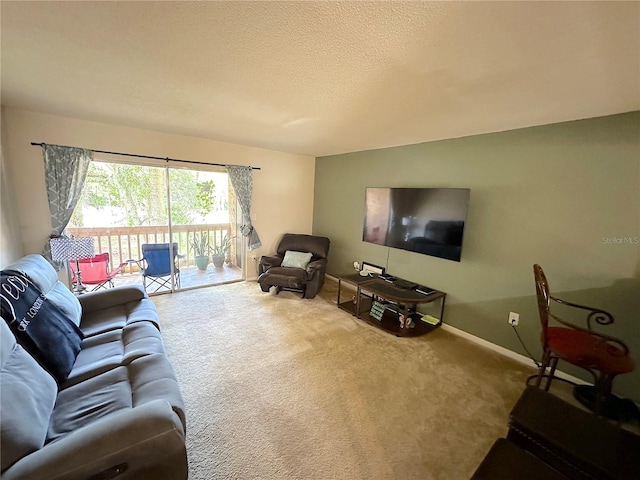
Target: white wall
10,239
282,189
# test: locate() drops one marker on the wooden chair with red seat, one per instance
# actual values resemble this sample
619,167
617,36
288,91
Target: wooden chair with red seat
95,271
603,356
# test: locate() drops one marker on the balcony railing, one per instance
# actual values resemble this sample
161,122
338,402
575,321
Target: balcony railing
125,243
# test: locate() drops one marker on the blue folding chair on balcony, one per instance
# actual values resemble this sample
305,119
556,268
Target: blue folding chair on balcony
155,265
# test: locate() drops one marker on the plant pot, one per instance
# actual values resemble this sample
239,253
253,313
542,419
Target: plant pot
202,261
218,260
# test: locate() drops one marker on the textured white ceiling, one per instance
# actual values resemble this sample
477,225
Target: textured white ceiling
322,78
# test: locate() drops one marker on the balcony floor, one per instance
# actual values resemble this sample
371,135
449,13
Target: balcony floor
189,277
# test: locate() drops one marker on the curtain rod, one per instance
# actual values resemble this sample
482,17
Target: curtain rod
166,159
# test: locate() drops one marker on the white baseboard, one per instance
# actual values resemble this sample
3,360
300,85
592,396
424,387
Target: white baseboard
507,353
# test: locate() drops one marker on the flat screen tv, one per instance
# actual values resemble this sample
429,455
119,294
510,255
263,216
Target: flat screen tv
423,220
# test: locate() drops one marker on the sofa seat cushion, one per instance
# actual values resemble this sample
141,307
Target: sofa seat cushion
148,440
27,396
143,380
97,321
106,351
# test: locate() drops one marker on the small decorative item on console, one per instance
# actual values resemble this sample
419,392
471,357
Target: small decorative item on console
431,320
372,269
406,322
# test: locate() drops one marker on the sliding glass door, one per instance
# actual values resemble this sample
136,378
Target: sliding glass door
142,215
201,222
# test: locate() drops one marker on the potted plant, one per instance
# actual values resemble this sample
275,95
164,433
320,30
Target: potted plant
219,252
200,246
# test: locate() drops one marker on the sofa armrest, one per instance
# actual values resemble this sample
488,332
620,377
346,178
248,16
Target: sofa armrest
145,442
315,267
94,301
315,277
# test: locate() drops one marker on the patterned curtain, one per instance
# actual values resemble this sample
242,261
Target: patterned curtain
65,170
242,181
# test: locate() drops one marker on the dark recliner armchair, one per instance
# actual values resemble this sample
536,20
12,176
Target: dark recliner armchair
289,272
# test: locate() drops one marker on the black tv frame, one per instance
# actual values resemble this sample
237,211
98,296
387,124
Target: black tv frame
425,220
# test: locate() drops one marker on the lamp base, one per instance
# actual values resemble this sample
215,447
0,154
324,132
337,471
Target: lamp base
78,289
78,286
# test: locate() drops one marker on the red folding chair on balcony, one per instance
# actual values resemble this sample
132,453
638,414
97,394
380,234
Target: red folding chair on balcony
95,271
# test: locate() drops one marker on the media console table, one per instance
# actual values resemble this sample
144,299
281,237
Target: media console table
401,303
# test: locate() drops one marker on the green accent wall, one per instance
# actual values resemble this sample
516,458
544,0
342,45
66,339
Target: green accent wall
566,196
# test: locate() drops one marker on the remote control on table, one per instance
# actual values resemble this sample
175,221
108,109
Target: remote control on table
405,284
424,290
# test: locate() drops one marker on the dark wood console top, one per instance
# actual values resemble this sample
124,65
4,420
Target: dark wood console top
395,294
354,278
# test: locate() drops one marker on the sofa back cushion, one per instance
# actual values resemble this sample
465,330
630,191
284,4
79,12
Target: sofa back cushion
27,396
37,269
39,325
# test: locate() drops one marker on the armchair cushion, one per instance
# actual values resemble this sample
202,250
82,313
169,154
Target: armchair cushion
286,277
294,259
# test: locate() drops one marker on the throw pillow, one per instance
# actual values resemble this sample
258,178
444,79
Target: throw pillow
296,259
39,326
37,269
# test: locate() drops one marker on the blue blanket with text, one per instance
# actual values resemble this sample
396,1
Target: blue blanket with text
39,325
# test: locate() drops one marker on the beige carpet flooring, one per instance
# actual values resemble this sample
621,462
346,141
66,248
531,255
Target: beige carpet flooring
278,387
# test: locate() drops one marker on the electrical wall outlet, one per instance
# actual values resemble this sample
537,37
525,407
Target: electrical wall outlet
514,318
